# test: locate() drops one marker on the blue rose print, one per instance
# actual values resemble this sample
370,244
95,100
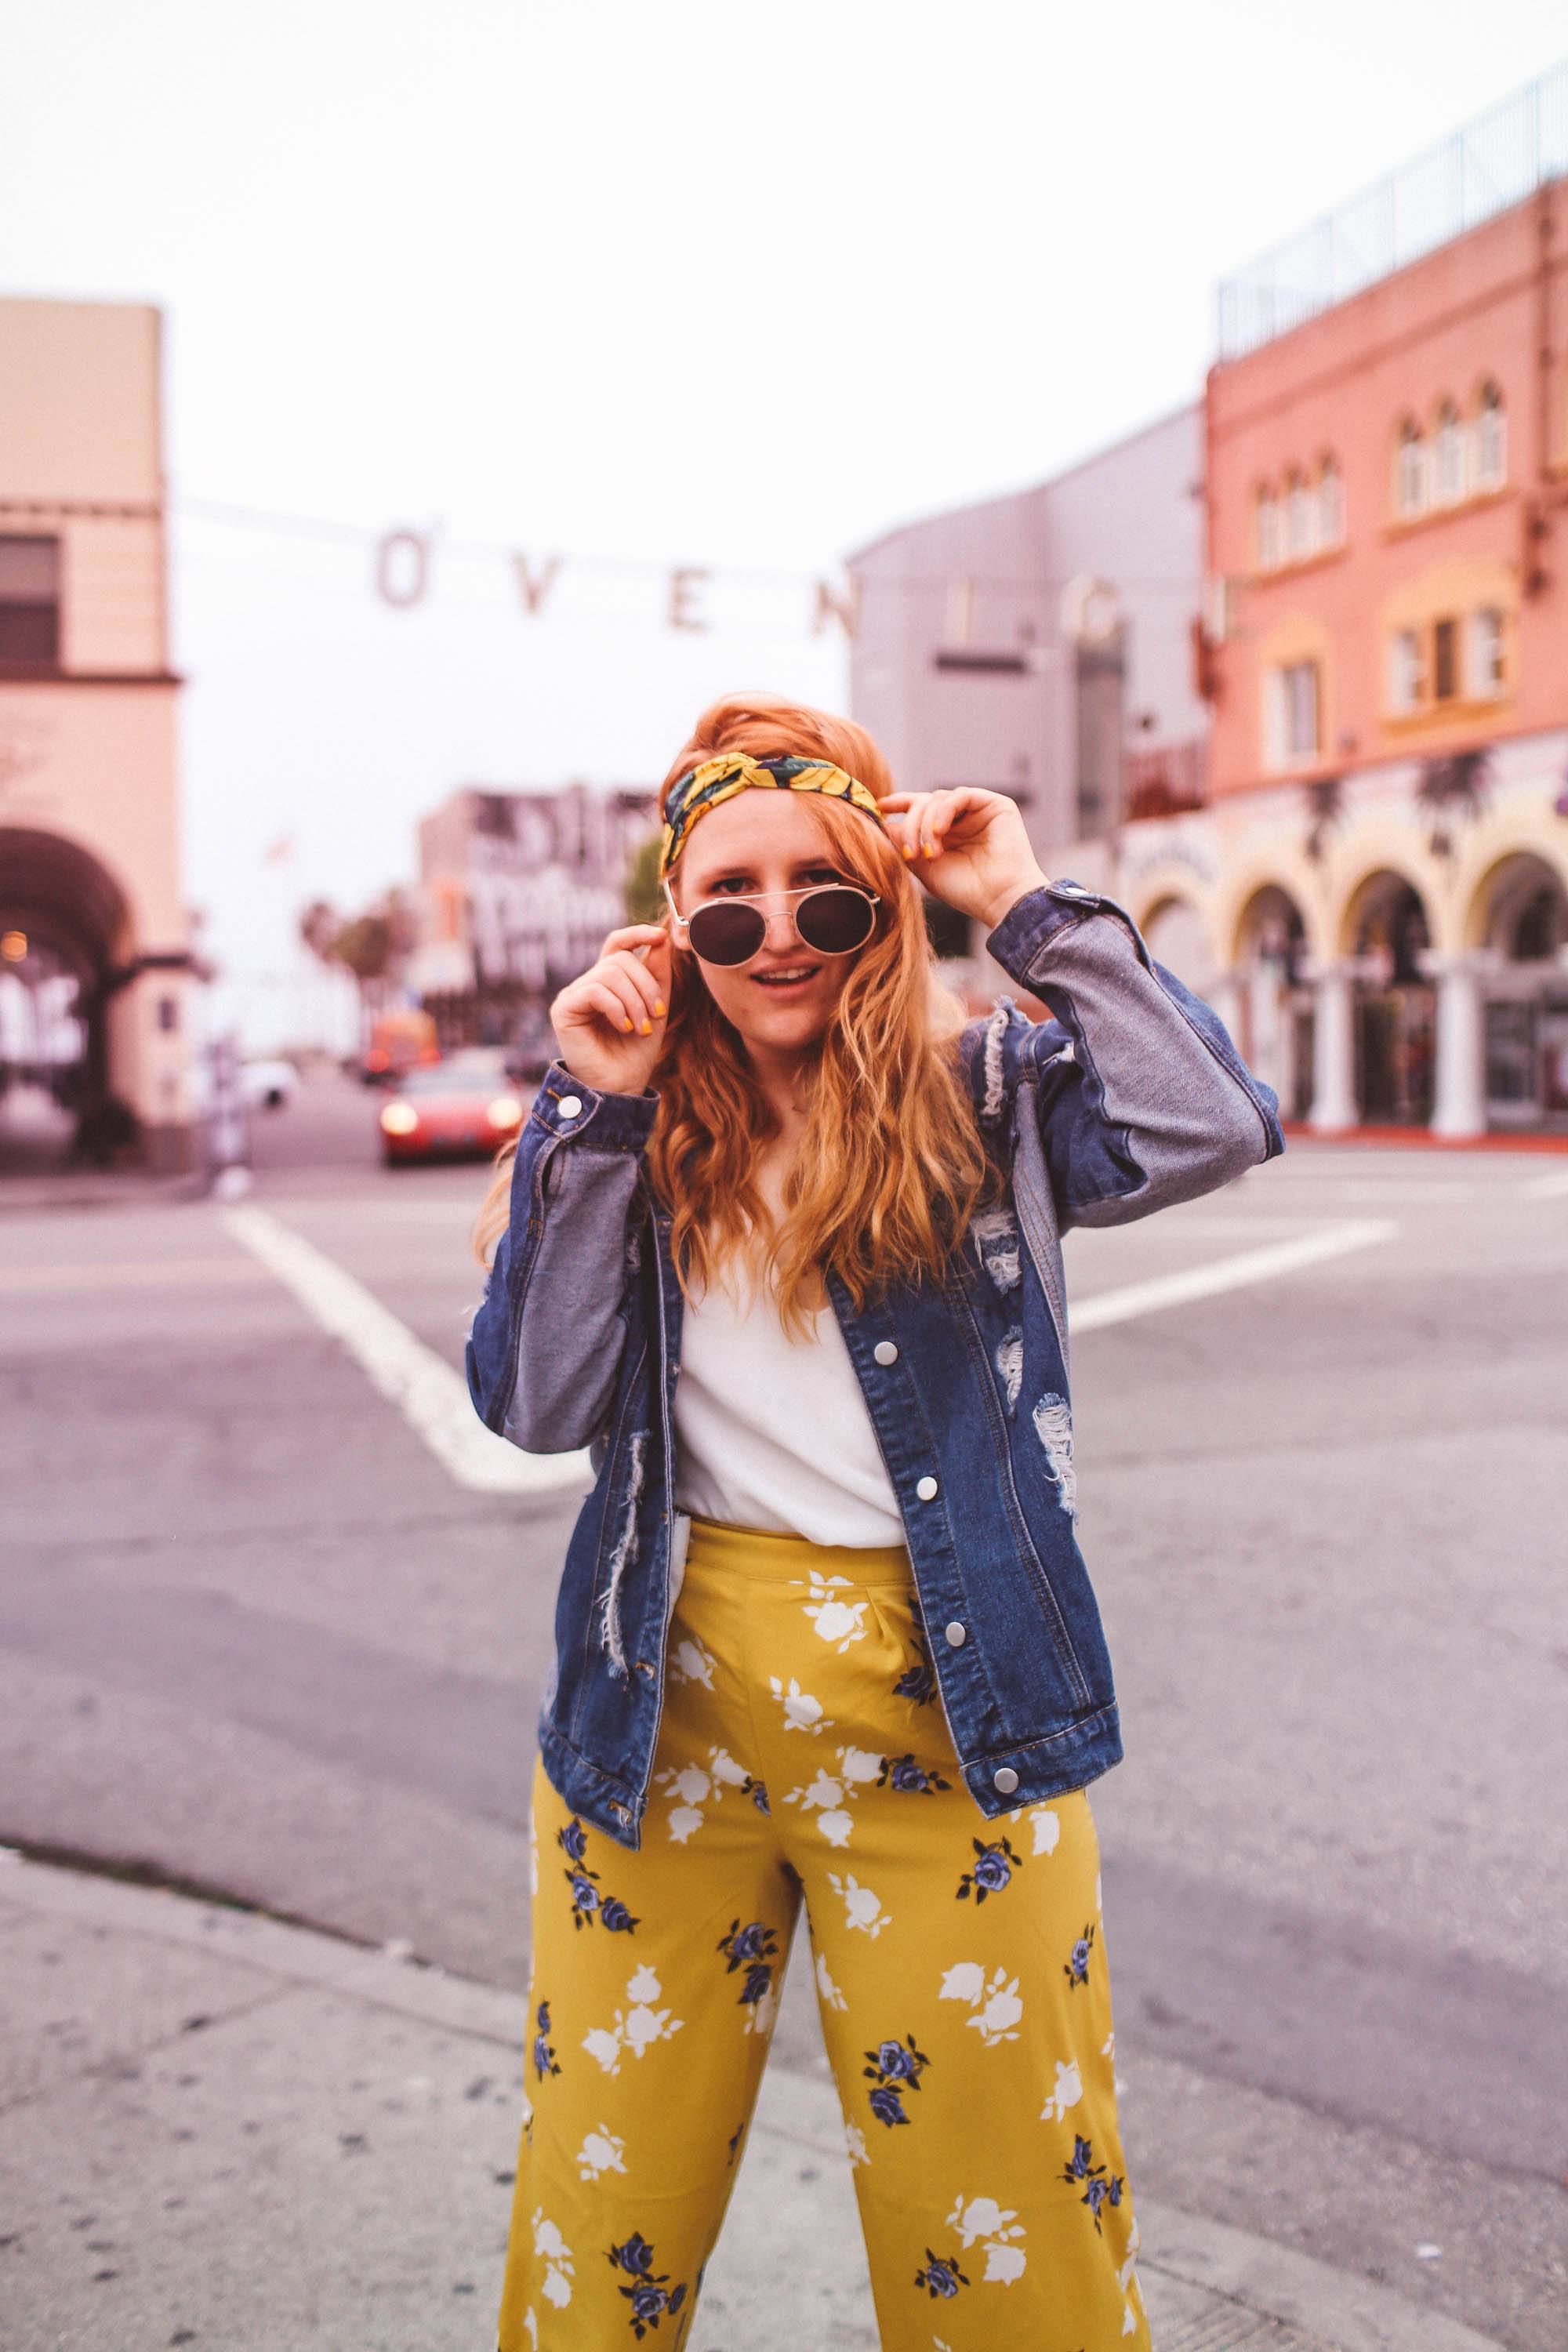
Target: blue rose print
940,2275
587,1903
919,1681
544,2059
1075,1968
757,1791
651,2294
752,1948
894,2068
1098,2190
901,1772
992,1870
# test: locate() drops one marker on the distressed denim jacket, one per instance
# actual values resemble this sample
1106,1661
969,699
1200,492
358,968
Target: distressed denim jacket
1130,1097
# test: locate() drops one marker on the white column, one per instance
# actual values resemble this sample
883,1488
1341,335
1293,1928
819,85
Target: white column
1263,1025
1223,997
1459,1099
1334,1103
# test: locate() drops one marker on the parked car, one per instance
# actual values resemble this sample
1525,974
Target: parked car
462,1108
399,1041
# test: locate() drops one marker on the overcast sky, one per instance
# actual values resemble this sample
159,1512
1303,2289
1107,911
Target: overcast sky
651,281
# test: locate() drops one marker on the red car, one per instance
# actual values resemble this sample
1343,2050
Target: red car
462,1108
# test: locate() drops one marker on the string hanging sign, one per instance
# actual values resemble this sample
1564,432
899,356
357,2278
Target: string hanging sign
404,570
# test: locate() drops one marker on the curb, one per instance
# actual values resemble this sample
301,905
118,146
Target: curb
1335,2311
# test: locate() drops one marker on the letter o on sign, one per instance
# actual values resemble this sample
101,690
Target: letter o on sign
403,567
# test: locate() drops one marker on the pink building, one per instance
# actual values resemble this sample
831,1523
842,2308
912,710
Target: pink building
1387,469
95,963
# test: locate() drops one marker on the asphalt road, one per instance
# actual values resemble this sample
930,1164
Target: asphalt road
254,1635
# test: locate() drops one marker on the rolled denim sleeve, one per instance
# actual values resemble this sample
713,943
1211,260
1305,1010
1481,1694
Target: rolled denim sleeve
1141,1098
546,1340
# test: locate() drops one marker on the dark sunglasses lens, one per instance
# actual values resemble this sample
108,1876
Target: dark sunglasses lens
721,934
835,921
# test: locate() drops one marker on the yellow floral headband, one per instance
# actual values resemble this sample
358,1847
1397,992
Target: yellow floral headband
701,788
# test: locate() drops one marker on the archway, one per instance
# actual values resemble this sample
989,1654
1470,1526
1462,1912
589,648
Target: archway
1274,1004
1177,936
1517,920
1387,934
63,930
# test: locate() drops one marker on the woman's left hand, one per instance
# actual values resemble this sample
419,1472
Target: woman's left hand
968,847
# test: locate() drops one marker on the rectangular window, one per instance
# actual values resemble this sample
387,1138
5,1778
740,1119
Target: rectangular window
1445,662
1485,655
1301,710
29,604
1406,679
1291,724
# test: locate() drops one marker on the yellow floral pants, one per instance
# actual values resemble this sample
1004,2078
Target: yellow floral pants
961,1978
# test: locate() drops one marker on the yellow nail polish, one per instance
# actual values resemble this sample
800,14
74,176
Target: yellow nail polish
659,1007
627,1025
647,1028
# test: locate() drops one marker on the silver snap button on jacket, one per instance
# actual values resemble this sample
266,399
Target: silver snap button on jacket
926,1489
885,1352
1005,1779
570,1105
955,1633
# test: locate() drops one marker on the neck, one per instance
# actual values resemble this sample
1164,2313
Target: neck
784,1076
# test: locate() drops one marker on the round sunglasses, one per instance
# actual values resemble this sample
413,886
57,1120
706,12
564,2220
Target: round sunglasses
833,917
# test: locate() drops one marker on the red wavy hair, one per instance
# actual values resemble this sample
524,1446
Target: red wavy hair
890,1167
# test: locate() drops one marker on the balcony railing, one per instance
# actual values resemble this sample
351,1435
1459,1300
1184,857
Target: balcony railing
1168,782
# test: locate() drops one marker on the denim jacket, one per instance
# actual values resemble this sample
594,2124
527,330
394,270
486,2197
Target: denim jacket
1130,1097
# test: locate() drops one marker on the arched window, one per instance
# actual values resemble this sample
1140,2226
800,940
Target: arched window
1330,505
1492,440
1410,472
1266,521
1301,520
1450,456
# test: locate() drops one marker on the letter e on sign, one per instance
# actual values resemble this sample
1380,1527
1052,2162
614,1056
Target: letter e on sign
683,587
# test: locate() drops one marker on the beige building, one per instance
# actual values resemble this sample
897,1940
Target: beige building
91,906
517,891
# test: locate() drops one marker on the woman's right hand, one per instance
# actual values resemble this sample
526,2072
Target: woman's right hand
609,1024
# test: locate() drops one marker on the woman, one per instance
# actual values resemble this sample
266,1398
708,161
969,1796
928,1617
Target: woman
780,1244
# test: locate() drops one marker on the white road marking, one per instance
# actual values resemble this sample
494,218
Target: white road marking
1546,1188
432,1396
1225,1274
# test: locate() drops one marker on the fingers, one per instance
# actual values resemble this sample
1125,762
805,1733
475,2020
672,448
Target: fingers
645,996
620,989
633,935
929,817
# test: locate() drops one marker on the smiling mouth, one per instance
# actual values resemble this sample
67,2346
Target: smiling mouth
787,975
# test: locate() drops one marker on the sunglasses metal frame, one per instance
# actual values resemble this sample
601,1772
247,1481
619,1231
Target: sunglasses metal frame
750,897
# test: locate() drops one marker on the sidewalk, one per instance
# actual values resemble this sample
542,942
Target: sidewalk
220,2132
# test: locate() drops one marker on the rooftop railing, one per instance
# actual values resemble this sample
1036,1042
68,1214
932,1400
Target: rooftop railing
1492,163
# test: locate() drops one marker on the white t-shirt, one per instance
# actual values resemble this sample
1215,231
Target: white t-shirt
771,1431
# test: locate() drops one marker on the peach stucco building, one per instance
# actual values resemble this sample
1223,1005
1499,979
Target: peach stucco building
1344,819
91,891
1381,875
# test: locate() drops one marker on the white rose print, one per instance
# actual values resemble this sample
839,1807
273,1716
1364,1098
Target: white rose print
982,2221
